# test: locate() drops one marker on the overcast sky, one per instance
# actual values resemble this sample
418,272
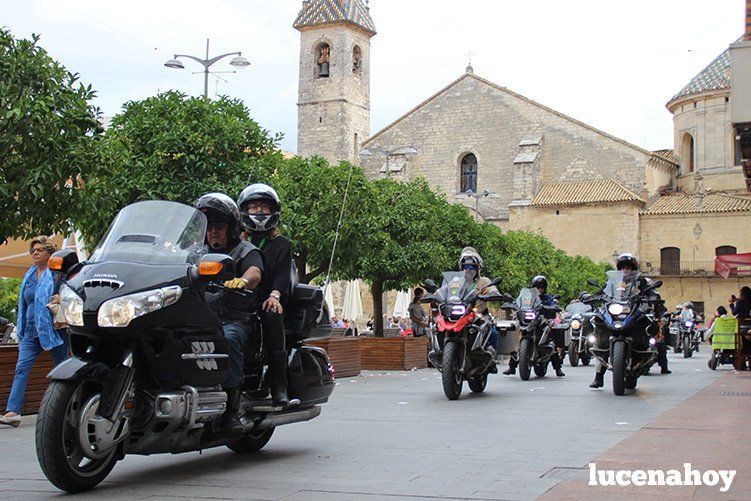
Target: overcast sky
611,64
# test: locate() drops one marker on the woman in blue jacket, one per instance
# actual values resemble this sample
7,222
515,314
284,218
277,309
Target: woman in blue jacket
35,329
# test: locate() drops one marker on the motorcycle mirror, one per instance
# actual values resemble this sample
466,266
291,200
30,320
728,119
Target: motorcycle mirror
508,305
592,282
657,284
63,260
427,298
495,281
215,267
557,296
508,297
430,286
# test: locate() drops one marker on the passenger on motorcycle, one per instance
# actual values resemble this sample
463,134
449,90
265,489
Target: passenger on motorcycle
627,263
541,284
261,208
236,312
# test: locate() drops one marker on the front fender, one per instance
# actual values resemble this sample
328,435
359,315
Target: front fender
76,368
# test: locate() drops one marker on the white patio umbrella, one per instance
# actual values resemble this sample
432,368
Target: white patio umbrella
352,309
328,298
401,305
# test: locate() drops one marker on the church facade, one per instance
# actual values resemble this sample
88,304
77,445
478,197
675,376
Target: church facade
524,166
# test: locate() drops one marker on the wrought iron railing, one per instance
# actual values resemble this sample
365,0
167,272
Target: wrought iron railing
679,268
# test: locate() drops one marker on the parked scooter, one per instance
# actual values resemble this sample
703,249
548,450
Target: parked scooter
625,328
536,344
460,345
579,316
149,356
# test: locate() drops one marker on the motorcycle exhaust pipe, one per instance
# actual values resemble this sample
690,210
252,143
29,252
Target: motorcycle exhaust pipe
289,417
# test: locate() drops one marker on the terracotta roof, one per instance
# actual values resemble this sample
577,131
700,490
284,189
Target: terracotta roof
319,12
668,155
584,192
716,76
685,203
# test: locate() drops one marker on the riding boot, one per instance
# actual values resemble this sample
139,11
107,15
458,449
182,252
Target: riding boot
512,363
230,421
599,381
278,378
557,365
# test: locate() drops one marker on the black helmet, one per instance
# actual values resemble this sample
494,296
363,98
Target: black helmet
626,260
540,282
218,207
260,192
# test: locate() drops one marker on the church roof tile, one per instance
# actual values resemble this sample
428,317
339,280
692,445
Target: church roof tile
715,77
685,203
319,12
584,192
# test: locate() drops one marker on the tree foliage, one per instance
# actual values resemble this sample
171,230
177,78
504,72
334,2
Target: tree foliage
174,147
48,132
9,290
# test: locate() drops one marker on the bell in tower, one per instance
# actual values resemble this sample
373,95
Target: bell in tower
324,56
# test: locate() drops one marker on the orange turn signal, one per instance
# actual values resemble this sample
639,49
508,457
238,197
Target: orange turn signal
207,268
55,263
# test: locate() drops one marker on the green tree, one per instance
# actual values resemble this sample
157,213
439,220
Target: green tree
174,147
9,290
48,131
312,193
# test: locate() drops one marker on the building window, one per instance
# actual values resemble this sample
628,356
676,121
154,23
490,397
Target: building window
469,173
687,153
322,59
724,250
357,60
735,143
670,261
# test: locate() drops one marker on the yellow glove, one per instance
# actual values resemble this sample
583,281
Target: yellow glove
236,283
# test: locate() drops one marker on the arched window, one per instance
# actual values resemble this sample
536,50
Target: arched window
724,250
736,149
469,173
322,59
670,261
357,60
687,153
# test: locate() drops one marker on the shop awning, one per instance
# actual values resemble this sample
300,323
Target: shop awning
733,264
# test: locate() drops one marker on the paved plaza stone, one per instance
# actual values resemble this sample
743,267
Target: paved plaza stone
393,435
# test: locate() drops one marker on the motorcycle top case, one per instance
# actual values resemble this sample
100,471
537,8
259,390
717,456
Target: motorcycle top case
303,310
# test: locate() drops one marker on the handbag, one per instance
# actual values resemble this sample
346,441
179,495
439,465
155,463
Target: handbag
58,318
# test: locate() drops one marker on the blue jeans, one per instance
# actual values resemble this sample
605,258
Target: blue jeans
237,334
28,351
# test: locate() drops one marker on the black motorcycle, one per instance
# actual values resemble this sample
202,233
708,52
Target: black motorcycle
579,317
149,356
460,347
536,344
625,328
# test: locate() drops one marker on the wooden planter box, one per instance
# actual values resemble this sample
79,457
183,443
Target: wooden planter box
37,379
344,353
400,353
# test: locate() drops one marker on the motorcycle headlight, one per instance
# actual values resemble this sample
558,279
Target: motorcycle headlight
615,309
120,311
652,341
72,306
687,324
575,324
592,339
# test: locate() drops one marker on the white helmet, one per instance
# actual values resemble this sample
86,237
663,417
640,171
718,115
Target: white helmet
470,256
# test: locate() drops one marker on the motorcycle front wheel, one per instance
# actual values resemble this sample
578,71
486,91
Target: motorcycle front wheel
686,347
619,368
59,449
573,355
525,357
451,374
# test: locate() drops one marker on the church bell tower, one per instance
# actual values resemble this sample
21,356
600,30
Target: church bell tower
333,108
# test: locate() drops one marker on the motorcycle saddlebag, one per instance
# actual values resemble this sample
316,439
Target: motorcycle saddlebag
303,310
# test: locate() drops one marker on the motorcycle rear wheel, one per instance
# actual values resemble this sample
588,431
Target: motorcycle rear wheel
619,368
525,354
252,442
58,447
585,358
451,374
541,369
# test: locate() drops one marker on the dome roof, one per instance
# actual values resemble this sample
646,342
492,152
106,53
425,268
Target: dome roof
320,12
715,77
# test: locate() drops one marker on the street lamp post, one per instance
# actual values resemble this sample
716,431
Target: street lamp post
400,151
238,62
477,196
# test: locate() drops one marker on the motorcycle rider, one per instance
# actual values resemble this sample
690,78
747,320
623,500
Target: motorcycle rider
541,284
223,236
260,208
628,264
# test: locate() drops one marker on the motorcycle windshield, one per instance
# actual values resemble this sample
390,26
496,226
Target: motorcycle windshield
528,300
154,232
621,286
454,288
577,309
